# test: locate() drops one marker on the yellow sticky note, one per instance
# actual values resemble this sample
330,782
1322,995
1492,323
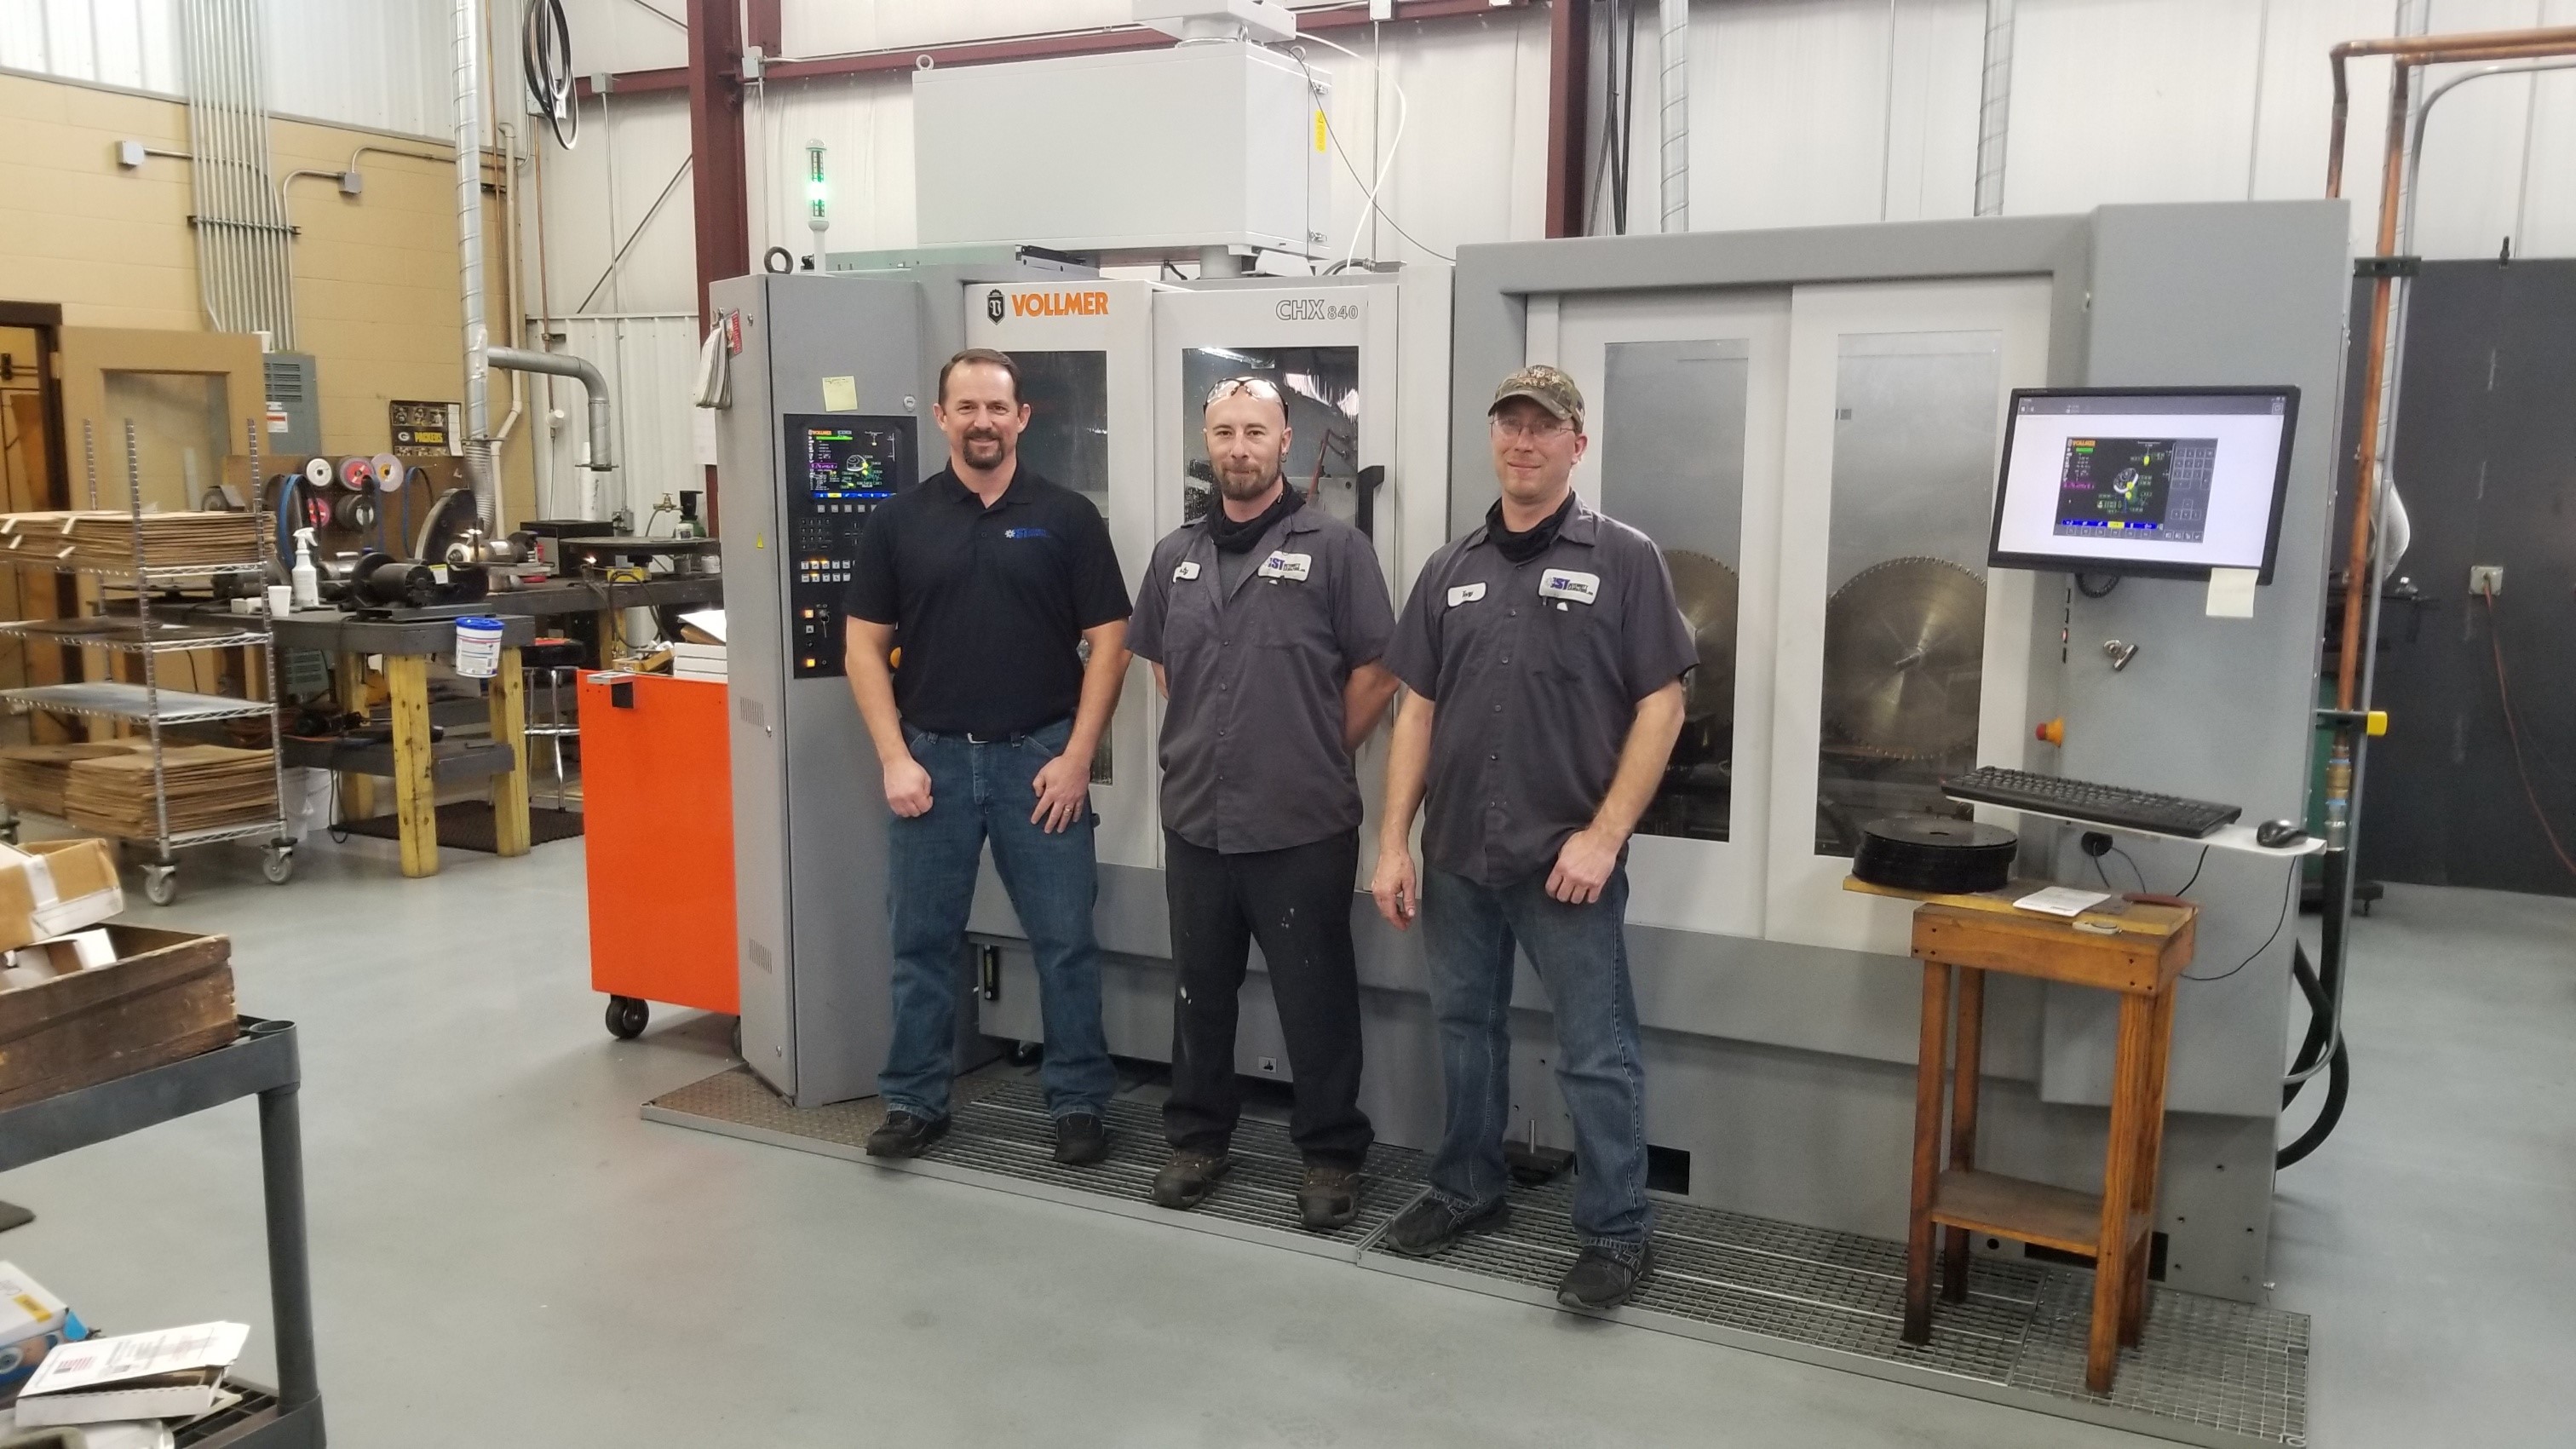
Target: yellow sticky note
1319,132
840,394
2231,593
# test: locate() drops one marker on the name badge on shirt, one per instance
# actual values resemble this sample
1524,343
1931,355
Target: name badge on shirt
1567,586
1288,566
1188,570
1465,594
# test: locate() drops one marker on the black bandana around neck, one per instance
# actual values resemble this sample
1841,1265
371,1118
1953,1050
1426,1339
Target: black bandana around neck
1520,548
1233,537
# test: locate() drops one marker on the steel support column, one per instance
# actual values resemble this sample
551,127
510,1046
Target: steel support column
1569,97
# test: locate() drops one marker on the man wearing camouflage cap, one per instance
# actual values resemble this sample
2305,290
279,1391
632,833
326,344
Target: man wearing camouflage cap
1542,656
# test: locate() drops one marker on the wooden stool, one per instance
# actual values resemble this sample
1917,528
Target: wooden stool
2139,951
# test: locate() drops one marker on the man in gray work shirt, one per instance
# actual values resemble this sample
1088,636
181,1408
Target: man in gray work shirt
1264,622
1542,656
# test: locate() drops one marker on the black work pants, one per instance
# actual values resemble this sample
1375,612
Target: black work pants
1297,904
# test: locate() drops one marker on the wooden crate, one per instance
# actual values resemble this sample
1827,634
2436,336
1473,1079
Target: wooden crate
168,995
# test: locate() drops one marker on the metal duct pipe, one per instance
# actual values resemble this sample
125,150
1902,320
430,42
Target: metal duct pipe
603,427
1994,107
469,246
1676,112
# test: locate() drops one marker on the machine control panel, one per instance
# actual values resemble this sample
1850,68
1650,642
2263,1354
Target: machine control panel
839,467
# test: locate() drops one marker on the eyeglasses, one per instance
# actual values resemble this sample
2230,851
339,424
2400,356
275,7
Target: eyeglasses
1260,387
1537,430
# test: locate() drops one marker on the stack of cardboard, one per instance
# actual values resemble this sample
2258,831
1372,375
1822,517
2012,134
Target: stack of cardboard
34,777
207,785
105,540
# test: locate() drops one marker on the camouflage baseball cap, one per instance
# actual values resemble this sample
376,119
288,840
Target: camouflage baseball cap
1547,387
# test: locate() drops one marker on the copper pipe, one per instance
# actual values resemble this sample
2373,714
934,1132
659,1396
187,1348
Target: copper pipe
2375,367
2416,47
2412,50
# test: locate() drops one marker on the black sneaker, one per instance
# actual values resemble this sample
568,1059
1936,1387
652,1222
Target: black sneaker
1189,1177
1328,1198
1080,1140
1601,1280
905,1135
1431,1225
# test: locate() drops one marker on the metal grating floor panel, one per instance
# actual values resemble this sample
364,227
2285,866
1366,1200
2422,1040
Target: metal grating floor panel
2208,1371
1001,1137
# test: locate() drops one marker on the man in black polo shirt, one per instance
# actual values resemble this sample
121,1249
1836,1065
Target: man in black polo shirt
988,579
1265,622
1543,656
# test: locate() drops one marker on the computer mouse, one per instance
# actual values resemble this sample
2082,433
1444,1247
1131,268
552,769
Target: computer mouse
2278,834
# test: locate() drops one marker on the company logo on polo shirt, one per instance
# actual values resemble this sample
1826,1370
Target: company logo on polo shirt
1316,309
1567,585
1058,304
1026,533
993,304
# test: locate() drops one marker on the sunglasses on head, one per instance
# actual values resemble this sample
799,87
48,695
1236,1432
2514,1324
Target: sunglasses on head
1260,387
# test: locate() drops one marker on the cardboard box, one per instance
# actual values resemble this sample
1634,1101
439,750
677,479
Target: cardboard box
33,1323
60,955
52,887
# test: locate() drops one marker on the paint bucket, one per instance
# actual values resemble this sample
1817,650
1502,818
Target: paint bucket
478,647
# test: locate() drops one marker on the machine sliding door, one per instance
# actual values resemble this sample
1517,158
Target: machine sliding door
1901,657
1687,395
1081,349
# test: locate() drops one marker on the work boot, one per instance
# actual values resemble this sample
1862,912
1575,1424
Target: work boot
904,1135
1328,1198
1431,1225
1080,1140
1189,1177
1601,1279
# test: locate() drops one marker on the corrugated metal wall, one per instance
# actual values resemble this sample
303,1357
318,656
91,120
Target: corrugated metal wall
381,64
651,363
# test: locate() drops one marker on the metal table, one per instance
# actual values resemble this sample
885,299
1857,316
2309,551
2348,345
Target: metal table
261,1062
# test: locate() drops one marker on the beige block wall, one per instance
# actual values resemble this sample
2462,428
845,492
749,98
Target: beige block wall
376,275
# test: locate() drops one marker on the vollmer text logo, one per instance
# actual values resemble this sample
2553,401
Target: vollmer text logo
1058,304
1316,309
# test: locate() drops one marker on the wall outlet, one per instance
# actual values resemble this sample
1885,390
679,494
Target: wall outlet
2486,580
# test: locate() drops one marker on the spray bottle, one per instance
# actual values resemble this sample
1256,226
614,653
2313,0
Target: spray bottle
308,584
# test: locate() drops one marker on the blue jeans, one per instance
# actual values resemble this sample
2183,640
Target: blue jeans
980,792
1581,953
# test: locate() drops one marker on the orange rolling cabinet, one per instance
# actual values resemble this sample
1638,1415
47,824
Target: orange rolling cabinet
657,817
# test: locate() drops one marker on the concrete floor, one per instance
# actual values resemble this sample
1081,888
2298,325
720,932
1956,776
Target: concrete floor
504,1253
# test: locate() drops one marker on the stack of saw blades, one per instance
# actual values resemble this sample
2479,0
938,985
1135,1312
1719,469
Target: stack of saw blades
207,786
106,540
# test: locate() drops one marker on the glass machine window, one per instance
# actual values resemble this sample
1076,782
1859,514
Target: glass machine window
1067,442
1672,464
1905,613
1321,387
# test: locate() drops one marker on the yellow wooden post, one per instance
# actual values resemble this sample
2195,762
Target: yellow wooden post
510,727
357,792
415,785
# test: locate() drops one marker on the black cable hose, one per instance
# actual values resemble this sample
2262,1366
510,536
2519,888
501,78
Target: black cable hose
545,57
2338,1073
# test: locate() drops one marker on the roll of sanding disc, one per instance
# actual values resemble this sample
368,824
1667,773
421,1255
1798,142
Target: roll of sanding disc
1935,854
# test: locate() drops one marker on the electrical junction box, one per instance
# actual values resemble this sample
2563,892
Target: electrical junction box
294,406
1129,156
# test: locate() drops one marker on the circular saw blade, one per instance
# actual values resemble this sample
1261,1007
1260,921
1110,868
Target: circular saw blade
1706,591
1904,652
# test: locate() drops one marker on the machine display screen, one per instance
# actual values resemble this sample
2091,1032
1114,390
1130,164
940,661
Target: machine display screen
844,461
2149,481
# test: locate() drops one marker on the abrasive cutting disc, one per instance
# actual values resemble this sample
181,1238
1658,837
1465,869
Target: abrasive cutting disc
388,470
317,471
1904,650
1705,590
1934,853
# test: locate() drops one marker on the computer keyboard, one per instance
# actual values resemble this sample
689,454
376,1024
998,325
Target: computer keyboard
2084,800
